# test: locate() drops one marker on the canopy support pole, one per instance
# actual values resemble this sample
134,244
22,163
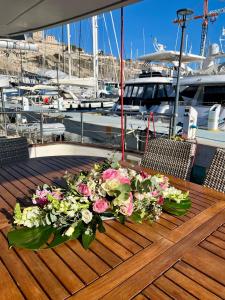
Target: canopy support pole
122,82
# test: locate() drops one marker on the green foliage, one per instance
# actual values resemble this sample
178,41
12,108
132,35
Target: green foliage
58,239
122,218
146,184
136,217
17,211
178,209
30,238
87,239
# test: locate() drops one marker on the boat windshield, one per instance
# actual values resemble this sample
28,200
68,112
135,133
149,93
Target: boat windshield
149,91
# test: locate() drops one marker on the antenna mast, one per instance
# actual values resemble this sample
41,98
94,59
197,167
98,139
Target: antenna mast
204,28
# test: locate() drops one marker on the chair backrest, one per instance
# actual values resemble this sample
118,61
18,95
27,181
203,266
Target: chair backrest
13,150
170,157
215,177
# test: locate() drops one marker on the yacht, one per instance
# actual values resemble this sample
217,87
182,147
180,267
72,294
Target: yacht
203,89
146,93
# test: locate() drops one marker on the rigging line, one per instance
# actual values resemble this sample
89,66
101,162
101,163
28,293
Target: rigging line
114,31
110,46
62,32
117,43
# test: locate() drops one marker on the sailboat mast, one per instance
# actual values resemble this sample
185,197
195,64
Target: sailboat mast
69,49
95,51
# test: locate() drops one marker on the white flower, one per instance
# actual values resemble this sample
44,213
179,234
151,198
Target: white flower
91,184
155,180
75,207
139,177
123,172
70,213
71,198
139,196
28,223
132,173
88,231
69,231
86,216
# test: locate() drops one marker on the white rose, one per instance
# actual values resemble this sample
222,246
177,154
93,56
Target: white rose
86,216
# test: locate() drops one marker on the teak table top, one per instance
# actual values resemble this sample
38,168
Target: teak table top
175,258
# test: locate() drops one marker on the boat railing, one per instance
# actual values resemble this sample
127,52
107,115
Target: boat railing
89,127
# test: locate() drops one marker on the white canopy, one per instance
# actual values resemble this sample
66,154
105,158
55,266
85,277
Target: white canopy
171,56
22,16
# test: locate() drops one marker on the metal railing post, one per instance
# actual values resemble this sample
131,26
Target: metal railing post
82,127
125,131
170,127
41,128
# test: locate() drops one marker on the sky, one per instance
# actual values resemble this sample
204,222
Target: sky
143,22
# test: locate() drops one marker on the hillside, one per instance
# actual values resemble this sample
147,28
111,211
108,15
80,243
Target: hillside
52,54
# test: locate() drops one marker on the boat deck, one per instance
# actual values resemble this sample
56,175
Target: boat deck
175,258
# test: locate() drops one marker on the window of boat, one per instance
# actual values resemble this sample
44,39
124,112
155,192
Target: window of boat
149,92
169,90
129,92
134,92
161,93
137,91
140,91
189,91
214,94
126,90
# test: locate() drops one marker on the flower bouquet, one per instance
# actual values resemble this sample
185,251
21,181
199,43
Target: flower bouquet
77,212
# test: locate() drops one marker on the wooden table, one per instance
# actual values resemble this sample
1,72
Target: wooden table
175,258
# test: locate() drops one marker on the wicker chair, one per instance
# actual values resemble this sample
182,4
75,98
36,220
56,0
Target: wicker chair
215,178
13,150
169,157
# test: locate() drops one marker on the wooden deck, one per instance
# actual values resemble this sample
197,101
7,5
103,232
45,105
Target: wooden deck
175,258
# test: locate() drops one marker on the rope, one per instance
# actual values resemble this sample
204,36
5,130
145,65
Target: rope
150,118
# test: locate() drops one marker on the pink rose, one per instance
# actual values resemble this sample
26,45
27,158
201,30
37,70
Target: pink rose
127,210
155,193
163,186
100,205
130,208
57,195
41,197
160,200
84,190
124,180
109,174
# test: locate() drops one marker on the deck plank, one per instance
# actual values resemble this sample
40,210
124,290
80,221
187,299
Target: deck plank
189,285
8,288
198,258
20,273
195,275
